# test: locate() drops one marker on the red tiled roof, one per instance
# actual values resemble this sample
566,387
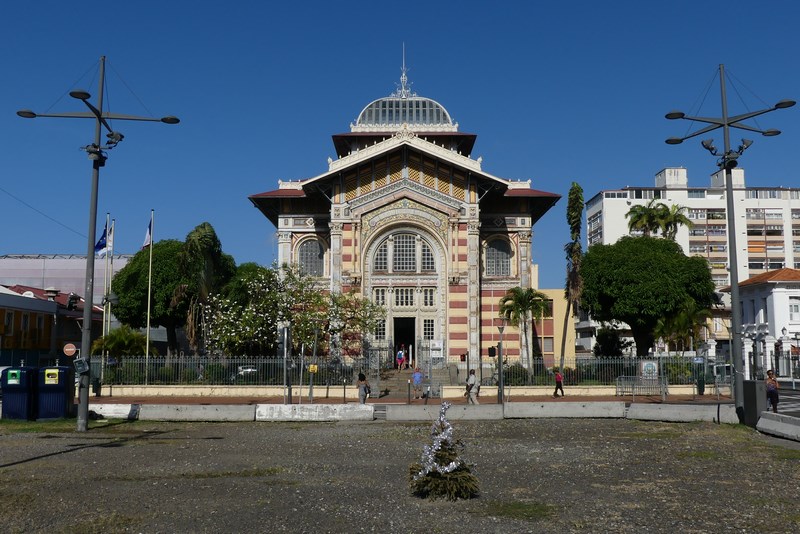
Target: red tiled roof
529,193
780,275
281,193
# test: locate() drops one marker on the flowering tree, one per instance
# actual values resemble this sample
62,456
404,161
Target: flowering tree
351,319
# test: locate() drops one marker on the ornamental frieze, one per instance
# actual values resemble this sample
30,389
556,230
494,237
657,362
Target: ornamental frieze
405,211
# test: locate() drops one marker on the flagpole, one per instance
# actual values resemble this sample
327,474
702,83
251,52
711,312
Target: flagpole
106,284
149,296
105,279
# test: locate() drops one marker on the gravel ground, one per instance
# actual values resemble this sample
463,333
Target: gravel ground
542,475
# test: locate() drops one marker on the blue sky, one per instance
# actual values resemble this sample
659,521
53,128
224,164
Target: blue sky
556,92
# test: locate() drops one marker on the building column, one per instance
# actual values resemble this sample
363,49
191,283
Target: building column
524,259
474,290
336,256
284,248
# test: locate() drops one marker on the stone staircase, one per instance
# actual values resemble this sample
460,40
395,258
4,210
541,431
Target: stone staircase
394,384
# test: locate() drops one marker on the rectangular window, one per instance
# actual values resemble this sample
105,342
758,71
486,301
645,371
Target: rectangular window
404,296
794,310
25,322
380,296
39,328
697,193
427,329
9,323
427,297
716,229
380,329
547,344
697,214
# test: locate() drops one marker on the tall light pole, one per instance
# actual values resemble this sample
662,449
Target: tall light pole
97,154
500,386
727,161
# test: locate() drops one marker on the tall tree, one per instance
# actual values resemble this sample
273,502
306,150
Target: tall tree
649,218
639,280
519,306
674,218
130,285
206,270
352,317
574,252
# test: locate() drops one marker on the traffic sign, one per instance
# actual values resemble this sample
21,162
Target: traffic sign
70,349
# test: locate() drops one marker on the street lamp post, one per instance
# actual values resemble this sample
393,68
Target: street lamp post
500,378
97,155
792,358
727,161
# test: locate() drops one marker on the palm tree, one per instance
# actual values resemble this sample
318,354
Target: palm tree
685,327
648,218
674,218
207,268
519,305
574,252
122,341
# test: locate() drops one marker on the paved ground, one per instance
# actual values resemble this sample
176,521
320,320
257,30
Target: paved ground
535,476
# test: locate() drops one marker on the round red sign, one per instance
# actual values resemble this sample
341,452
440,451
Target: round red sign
70,349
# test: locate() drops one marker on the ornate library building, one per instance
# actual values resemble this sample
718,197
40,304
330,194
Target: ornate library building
407,218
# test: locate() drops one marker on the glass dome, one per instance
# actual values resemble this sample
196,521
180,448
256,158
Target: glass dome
404,107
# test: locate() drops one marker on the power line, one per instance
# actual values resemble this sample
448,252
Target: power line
41,212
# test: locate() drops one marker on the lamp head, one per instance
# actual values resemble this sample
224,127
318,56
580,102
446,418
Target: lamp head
783,104
80,94
708,144
170,120
771,133
26,114
675,115
745,145
674,141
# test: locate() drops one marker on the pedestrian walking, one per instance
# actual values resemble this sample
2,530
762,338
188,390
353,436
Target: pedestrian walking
363,388
772,390
559,384
472,388
401,357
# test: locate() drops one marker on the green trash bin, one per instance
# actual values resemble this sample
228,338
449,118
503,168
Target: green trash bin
19,393
56,392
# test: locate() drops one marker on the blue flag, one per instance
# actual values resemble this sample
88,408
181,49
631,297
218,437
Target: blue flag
100,248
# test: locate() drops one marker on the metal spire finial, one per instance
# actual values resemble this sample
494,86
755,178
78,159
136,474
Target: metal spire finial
403,91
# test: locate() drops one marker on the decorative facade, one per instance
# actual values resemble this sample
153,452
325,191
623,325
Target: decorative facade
407,218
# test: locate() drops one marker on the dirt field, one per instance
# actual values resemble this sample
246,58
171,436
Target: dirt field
536,476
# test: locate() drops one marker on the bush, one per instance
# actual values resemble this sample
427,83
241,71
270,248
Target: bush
516,375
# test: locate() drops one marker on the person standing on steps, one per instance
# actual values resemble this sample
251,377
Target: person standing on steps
401,357
559,384
416,382
472,388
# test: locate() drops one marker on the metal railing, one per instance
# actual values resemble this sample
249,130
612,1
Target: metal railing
218,370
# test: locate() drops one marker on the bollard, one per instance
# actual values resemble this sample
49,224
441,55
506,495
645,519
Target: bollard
344,391
409,392
311,388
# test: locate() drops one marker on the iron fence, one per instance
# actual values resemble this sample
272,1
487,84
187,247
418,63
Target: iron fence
199,370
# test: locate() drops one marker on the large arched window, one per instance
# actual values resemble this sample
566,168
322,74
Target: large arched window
311,258
498,258
404,252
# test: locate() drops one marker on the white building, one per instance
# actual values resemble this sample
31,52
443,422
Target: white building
767,226
771,319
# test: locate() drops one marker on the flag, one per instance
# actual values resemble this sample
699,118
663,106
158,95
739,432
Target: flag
101,248
148,237
110,239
